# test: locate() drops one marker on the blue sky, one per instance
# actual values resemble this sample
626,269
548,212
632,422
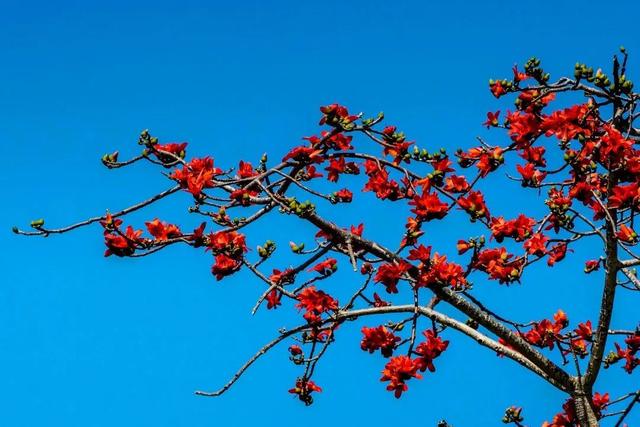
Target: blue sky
93,341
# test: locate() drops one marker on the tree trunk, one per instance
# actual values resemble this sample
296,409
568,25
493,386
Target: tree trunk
584,411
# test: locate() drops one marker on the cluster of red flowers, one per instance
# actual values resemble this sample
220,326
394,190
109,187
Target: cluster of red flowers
428,206
380,184
196,175
228,249
438,271
473,203
429,350
402,368
379,338
546,333
398,371
498,264
518,229
315,303
120,243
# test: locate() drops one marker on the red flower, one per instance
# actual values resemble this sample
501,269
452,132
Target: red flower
518,229
441,272
122,245
379,338
497,89
492,119
379,302
474,205
518,76
315,303
428,206
326,267
430,349
343,196
379,182
336,115
273,299
584,330
110,224
531,177
591,265
224,266
498,265
422,253
557,253
534,155
339,166
536,245
242,196
624,196
627,235
196,175
456,184
303,154
161,230
245,170
463,246
304,388
230,242
524,127
398,371
282,277
170,153
390,274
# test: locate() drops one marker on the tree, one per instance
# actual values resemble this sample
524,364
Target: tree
592,185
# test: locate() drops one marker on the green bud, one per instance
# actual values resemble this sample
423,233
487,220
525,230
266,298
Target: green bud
37,223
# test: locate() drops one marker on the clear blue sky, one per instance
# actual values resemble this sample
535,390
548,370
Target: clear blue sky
93,341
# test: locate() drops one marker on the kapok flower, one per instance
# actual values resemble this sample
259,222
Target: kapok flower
429,350
627,235
473,203
122,244
398,371
326,267
161,230
390,274
315,302
428,206
303,388
379,338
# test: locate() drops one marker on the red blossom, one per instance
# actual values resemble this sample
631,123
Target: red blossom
398,371
492,119
122,244
379,338
428,206
325,267
473,203
161,230
430,349
304,388
390,274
